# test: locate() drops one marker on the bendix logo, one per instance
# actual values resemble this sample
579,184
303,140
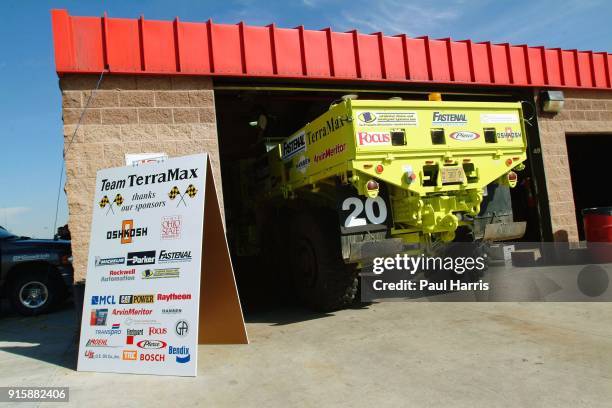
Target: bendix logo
464,136
368,138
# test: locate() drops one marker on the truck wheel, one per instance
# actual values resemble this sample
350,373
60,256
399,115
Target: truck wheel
321,279
33,293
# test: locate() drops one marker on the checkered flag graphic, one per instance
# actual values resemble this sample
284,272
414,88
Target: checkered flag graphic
104,202
191,191
118,200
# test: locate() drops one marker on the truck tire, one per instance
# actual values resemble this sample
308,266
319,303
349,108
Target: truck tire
321,279
34,292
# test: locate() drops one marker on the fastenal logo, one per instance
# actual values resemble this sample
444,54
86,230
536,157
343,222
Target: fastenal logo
181,354
293,146
181,328
175,256
173,296
127,232
464,136
136,299
171,227
371,138
449,118
141,258
160,273
109,261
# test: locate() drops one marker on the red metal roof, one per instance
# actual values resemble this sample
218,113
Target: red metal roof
140,46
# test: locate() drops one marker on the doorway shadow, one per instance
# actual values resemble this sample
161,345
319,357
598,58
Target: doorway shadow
49,337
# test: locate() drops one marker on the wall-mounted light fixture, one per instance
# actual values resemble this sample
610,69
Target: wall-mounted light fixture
552,101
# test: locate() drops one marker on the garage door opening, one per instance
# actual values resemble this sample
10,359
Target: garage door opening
241,112
589,157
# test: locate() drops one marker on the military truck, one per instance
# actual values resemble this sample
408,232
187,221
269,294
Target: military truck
371,178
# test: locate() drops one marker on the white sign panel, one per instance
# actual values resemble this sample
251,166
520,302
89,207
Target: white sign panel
141,305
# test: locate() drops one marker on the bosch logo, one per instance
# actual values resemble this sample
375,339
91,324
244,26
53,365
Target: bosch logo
368,138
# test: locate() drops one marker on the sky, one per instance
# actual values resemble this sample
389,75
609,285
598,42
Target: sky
30,101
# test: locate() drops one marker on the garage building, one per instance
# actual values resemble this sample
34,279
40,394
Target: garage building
181,87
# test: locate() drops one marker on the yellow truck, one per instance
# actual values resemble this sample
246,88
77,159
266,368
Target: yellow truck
372,178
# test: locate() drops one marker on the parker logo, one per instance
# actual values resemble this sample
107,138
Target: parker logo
151,344
171,227
371,138
130,355
449,118
141,258
127,232
109,261
293,146
136,299
175,256
464,136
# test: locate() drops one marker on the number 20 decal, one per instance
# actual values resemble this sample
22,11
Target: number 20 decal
354,219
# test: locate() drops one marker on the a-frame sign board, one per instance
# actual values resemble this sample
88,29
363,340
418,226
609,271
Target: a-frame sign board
159,274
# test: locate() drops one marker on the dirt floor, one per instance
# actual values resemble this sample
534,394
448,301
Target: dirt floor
415,353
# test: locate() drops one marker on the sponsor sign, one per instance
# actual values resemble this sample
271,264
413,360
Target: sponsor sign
509,134
145,265
383,118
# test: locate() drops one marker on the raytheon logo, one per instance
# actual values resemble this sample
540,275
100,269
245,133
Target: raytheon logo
127,232
141,258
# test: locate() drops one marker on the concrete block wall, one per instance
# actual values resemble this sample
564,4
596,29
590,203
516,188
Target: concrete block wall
129,114
585,112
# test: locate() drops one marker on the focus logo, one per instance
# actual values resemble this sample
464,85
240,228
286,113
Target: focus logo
157,330
379,139
176,256
171,227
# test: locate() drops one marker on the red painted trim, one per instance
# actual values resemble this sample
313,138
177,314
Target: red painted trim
371,62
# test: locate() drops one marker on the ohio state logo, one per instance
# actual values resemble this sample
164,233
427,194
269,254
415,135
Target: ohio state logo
368,138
